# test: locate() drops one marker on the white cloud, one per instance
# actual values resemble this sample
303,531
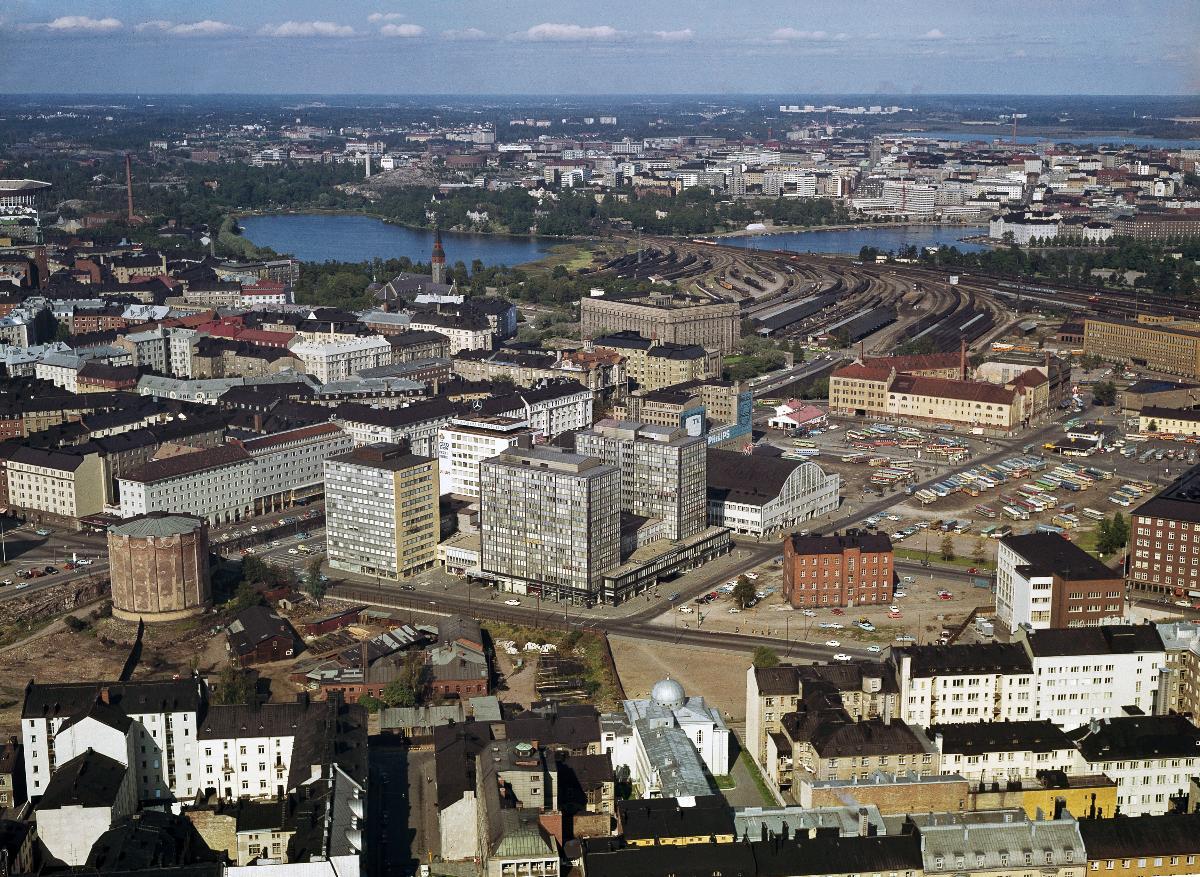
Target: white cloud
675,36
552,31
307,29
205,28
68,23
401,30
933,34
470,33
815,36
376,17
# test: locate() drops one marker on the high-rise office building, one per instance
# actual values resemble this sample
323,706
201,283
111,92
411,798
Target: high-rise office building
550,522
663,471
381,511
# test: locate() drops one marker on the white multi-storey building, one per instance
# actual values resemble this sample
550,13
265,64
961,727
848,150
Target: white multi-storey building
175,743
418,423
290,465
760,495
337,360
1089,673
941,685
996,752
214,483
157,719
550,409
1044,581
465,442
1151,758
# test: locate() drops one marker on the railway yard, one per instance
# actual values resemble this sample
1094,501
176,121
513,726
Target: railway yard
814,297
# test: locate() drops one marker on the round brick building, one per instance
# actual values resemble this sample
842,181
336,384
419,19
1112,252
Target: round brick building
159,567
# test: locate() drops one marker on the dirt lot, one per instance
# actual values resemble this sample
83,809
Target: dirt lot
719,676
922,613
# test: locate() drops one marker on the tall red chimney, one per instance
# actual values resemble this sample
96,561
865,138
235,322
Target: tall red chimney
129,185
963,359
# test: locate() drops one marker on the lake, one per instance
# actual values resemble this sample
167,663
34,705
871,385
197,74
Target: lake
884,238
987,135
340,237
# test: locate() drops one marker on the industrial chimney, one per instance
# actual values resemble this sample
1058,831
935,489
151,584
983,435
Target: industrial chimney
129,185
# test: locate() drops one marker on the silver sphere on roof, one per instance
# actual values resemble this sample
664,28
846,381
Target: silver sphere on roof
668,693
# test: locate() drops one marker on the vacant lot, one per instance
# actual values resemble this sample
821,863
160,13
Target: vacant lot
719,676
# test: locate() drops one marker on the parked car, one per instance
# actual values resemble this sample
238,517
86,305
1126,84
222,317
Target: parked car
832,643
844,658
874,650
512,602
810,613
686,610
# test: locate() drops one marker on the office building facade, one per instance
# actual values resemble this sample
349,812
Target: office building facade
550,522
381,511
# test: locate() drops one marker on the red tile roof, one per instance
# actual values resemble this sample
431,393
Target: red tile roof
946,388
915,362
862,373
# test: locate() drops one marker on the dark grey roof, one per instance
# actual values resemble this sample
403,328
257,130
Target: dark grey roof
1050,554
1180,501
657,818
257,624
1110,639
102,712
836,544
1138,836
783,679
976,738
87,780
437,408
825,854
962,660
747,478
56,700
64,462
1137,737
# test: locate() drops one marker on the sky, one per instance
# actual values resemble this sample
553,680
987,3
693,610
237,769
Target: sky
610,47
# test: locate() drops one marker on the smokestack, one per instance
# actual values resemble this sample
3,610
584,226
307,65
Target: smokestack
129,185
963,359
864,824
368,171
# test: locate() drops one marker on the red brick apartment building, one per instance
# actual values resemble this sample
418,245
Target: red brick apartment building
855,569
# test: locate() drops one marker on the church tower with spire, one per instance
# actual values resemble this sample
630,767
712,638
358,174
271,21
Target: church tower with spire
438,260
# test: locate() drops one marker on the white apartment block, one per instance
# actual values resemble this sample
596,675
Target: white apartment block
466,442
418,423
176,744
464,335
340,359
1086,673
942,685
215,483
1151,758
996,752
159,719
290,465
553,409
